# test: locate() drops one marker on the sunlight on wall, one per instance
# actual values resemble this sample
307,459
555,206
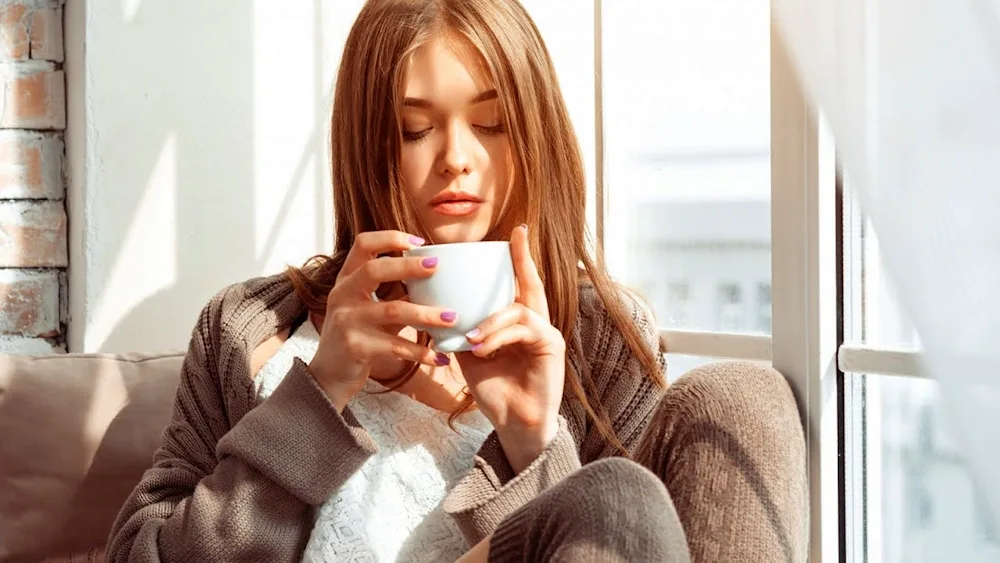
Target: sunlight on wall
146,262
292,88
129,9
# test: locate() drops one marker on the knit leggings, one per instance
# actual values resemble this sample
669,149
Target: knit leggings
719,476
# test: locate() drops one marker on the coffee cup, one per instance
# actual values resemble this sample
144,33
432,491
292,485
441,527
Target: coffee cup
474,279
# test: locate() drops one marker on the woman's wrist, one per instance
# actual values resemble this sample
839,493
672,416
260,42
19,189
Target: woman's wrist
338,392
339,395
523,445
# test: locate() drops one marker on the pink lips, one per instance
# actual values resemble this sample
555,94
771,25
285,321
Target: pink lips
457,208
456,203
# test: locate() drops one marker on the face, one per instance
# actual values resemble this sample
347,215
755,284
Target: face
455,153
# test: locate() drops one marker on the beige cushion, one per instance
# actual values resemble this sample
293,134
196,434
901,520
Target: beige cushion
76,434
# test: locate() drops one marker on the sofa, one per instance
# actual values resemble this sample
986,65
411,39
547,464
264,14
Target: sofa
77,432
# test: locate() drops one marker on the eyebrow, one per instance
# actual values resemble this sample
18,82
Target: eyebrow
425,104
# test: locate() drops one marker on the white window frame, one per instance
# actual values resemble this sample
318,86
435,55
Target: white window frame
803,344
804,286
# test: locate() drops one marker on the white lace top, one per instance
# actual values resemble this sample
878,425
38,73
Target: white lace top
390,510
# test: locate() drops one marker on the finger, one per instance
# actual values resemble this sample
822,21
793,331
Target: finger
528,282
387,345
367,278
508,316
514,334
367,246
404,313
394,329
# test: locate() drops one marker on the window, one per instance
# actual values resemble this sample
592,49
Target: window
687,152
730,294
729,307
764,308
653,291
915,499
922,504
678,303
764,255
986,524
679,292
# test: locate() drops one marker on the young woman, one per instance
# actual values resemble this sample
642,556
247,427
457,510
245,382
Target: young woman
313,423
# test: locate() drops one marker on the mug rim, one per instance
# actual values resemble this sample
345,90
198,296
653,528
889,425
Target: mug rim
456,244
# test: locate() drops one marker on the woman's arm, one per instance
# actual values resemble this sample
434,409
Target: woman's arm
492,489
622,384
241,493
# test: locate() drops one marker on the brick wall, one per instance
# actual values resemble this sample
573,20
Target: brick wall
33,248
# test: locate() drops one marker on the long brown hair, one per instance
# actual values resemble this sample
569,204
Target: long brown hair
365,144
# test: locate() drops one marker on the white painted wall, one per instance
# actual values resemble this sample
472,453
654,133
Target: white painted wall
197,149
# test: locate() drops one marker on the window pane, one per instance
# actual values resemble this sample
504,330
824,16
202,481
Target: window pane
874,315
686,114
910,497
679,364
922,503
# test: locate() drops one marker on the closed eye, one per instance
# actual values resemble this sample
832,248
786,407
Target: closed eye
412,136
490,129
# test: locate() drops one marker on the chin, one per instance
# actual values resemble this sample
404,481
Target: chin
458,232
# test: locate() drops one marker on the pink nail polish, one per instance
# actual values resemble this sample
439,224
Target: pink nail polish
472,333
476,347
442,360
449,316
429,262
417,241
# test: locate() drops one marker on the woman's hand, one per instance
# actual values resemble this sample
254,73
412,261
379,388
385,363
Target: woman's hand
358,331
517,368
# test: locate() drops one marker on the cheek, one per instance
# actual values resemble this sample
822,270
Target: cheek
500,164
414,167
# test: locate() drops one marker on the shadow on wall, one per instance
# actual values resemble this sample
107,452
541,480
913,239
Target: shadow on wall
190,77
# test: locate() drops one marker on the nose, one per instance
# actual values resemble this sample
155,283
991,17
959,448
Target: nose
456,159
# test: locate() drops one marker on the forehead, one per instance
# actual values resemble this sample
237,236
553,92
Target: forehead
446,66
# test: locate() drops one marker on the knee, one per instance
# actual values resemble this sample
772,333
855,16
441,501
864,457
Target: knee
735,393
607,486
728,438
738,403
619,505
621,478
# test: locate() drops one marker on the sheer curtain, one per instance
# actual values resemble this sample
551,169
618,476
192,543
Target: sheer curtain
911,91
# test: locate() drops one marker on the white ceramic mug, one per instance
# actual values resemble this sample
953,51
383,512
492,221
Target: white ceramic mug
474,279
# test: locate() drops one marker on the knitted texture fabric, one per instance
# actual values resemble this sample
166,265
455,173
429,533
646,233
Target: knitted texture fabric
232,482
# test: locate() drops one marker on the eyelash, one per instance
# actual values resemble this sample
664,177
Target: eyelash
416,136
490,130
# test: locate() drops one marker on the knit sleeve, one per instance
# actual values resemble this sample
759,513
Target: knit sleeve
243,492
622,385
491,490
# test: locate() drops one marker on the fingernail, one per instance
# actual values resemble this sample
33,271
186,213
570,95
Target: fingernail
429,262
417,241
442,360
476,347
472,333
449,316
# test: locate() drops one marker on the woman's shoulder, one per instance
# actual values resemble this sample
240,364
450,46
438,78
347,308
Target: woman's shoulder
251,305
255,295
240,316
233,322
